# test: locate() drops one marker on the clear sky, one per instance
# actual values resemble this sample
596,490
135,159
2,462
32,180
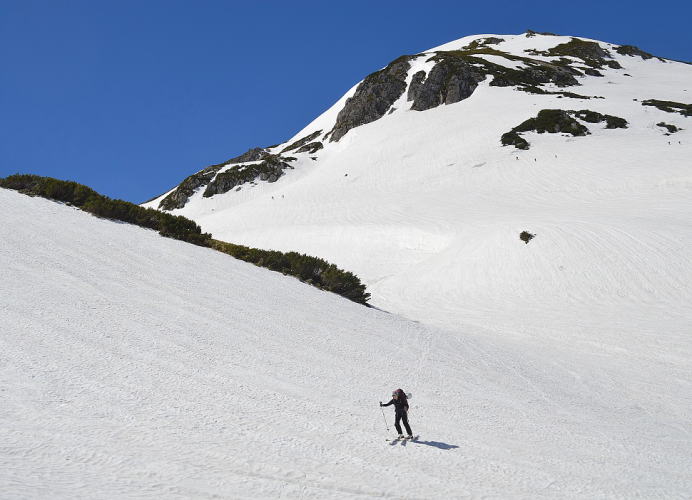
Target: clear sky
129,97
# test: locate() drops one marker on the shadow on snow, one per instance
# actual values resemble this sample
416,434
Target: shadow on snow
435,444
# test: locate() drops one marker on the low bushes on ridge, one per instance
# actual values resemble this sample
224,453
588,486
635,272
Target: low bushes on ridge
312,270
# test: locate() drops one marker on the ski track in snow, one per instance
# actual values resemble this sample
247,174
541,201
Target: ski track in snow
134,366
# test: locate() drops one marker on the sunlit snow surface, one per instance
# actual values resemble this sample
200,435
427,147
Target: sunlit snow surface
136,366
427,207
133,366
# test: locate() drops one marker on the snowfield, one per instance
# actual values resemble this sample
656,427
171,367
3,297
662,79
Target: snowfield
134,366
426,207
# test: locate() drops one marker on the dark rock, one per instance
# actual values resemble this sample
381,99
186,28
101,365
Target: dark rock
301,142
483,42
532,33
373,97
532,89
253,154
591,53
552,121
580,48
180,196
514,139
311,148
450,80
415,84
631,50
592,72
534,75
269,169
525,236
555,121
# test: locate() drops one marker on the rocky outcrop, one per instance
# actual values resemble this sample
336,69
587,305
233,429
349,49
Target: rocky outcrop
310,148
631,50
180,196
537,74
414,86
591,53
269,169
373,97
595,117
450,80
532,33
554,121
483,42
301,142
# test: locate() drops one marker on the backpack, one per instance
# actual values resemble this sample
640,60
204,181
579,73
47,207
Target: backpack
401,394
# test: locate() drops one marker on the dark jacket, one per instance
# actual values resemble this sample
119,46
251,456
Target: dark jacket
400,404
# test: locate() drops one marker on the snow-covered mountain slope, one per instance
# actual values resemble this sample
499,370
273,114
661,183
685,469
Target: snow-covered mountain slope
135,366
426,207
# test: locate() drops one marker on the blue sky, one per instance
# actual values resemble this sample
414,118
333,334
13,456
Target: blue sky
130,97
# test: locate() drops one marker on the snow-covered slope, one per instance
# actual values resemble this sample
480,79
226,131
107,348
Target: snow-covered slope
426,207
134,366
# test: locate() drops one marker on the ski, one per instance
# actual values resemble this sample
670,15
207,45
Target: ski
405,438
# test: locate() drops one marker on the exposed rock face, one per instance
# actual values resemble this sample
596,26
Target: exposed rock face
492,40
450,80
483,42
552,121
301,142
416,82
253,154
532,33
311,148
454,76
631,50
373,97
270,169
591,53
535,75
179,197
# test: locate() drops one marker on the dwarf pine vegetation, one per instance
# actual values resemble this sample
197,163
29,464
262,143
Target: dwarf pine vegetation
313,270
670,106
554,121
670,128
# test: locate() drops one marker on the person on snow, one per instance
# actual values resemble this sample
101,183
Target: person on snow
400,402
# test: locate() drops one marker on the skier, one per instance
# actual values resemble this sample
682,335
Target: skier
400,402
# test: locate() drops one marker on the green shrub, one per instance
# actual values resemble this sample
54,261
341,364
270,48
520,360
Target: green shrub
97,204
525,236
670,128
555,121
670,106
312,270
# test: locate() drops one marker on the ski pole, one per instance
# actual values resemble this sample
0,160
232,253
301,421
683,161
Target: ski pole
385,418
